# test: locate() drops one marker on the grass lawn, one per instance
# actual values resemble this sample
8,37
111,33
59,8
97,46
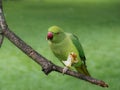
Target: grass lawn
96,24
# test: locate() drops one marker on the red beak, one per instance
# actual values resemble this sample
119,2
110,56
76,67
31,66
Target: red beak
50,36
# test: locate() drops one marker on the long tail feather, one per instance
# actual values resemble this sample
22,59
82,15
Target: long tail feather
83,70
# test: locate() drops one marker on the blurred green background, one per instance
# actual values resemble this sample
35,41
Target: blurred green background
95,22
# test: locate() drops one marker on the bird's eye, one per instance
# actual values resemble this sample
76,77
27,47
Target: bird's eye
57,33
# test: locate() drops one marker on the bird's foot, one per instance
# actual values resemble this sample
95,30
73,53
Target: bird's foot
65,70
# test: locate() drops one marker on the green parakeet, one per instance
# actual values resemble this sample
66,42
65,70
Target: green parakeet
67,48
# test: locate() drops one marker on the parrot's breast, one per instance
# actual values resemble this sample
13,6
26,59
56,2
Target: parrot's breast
63,49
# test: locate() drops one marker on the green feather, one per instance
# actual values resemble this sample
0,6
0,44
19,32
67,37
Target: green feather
77,44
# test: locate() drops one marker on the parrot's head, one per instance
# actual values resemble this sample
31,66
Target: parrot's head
55,34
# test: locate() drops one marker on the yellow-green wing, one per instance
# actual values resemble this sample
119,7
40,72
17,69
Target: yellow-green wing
77,44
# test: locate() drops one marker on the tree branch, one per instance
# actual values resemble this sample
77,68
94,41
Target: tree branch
46,65
1,25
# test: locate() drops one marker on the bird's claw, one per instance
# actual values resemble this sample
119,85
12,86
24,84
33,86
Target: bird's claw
65,70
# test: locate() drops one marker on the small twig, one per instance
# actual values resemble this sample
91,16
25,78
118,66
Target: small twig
46,65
